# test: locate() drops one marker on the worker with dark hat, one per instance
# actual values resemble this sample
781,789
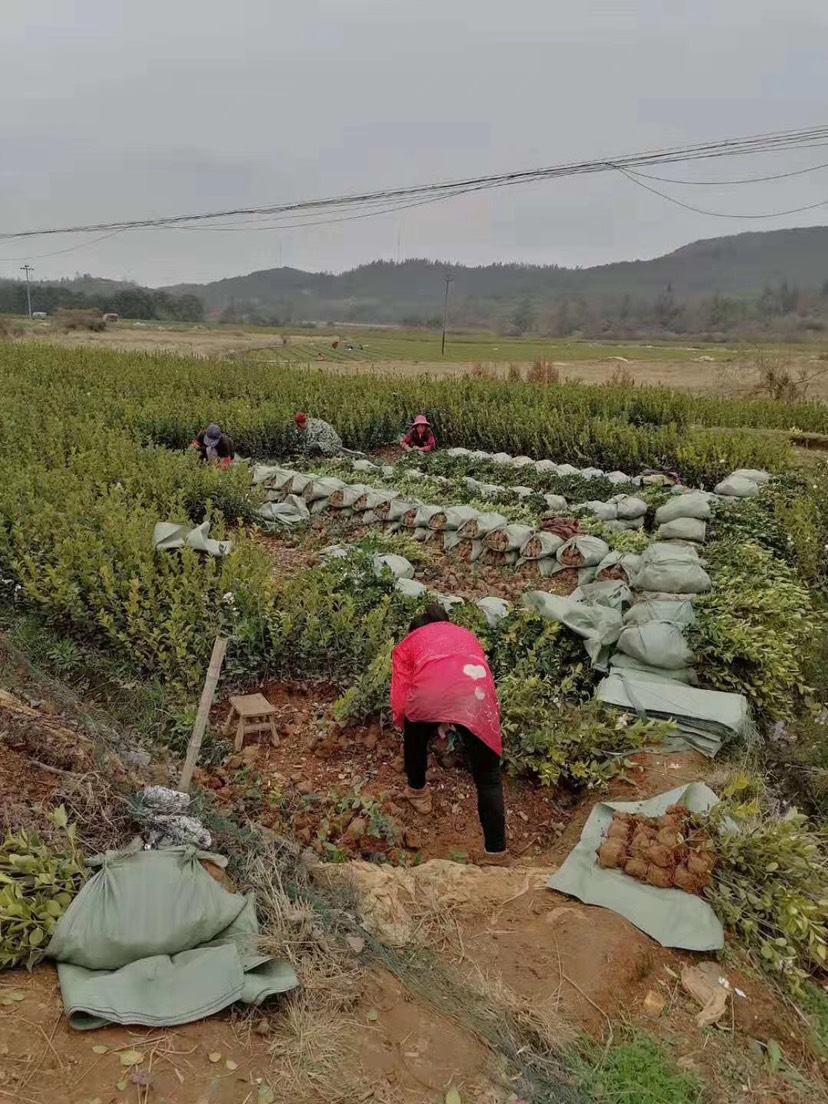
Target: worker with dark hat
214,446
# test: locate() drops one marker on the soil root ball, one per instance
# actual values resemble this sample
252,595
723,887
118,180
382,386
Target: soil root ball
667,851
636,868
662,856
642,841
613,854
683,879
657,876
700,862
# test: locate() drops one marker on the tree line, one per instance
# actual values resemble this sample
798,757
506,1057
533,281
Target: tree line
128,302
781,310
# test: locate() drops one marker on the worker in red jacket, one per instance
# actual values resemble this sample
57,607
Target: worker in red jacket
420,436
440,679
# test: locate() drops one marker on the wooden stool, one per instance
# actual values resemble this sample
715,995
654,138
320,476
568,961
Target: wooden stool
255,714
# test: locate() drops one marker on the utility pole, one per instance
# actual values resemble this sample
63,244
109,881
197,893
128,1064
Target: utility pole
445,314
27,268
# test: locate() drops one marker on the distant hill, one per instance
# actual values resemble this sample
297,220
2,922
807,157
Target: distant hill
740,267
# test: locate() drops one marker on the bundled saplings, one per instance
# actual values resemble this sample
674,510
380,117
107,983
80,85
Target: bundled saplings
670,852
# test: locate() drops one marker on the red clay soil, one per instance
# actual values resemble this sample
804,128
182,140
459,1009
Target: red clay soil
312,763
291,786
398,1046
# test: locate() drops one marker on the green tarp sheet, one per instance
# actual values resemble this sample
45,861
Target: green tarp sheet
670,916
671,569
705,718
619,661
599,626
172,535
153,939
293,511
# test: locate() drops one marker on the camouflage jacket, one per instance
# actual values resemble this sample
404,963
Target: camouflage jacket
321,437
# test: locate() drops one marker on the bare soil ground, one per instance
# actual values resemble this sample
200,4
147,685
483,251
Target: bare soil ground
532,953
529,951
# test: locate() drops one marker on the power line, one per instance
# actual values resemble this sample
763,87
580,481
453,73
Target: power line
720,214
723,183
57,252
762,143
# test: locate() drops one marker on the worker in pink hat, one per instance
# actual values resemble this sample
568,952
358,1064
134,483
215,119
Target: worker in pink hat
420,436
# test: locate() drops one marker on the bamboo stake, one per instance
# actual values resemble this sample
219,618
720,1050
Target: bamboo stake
203,715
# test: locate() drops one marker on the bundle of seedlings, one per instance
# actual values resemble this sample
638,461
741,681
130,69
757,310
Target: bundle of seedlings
582,551
320,490
469,551
540,545
477,527
38,882
452,517
297,483
670,852
345,497
618,565
418,517
393,510
373,500
509,538
499,559
563,527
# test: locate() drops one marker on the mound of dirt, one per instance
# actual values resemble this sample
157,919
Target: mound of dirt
395,902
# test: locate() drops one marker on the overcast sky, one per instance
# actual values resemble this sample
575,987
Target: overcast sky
113,109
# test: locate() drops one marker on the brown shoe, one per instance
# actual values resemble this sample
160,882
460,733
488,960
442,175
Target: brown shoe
419,800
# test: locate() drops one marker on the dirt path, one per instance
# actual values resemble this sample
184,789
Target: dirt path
395,1046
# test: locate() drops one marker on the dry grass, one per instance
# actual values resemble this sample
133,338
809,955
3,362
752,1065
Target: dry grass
99,810
314,1047
544,1023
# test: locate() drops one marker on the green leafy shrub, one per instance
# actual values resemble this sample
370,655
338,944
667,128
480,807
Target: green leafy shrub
369,695
788,519
755,628
37,884
558,742
771,885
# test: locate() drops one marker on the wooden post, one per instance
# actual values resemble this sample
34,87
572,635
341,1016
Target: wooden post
203,715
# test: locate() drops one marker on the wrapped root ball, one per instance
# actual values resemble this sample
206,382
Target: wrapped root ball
683,879
669,837
657,876
701,862
642,841
661,856
613,854
618,830
636,868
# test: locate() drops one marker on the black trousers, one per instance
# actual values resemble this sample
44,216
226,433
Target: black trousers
485,770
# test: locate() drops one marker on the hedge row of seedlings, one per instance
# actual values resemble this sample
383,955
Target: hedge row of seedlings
655,588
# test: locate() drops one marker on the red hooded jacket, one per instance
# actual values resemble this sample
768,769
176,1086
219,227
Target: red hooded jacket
428,443
439,673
